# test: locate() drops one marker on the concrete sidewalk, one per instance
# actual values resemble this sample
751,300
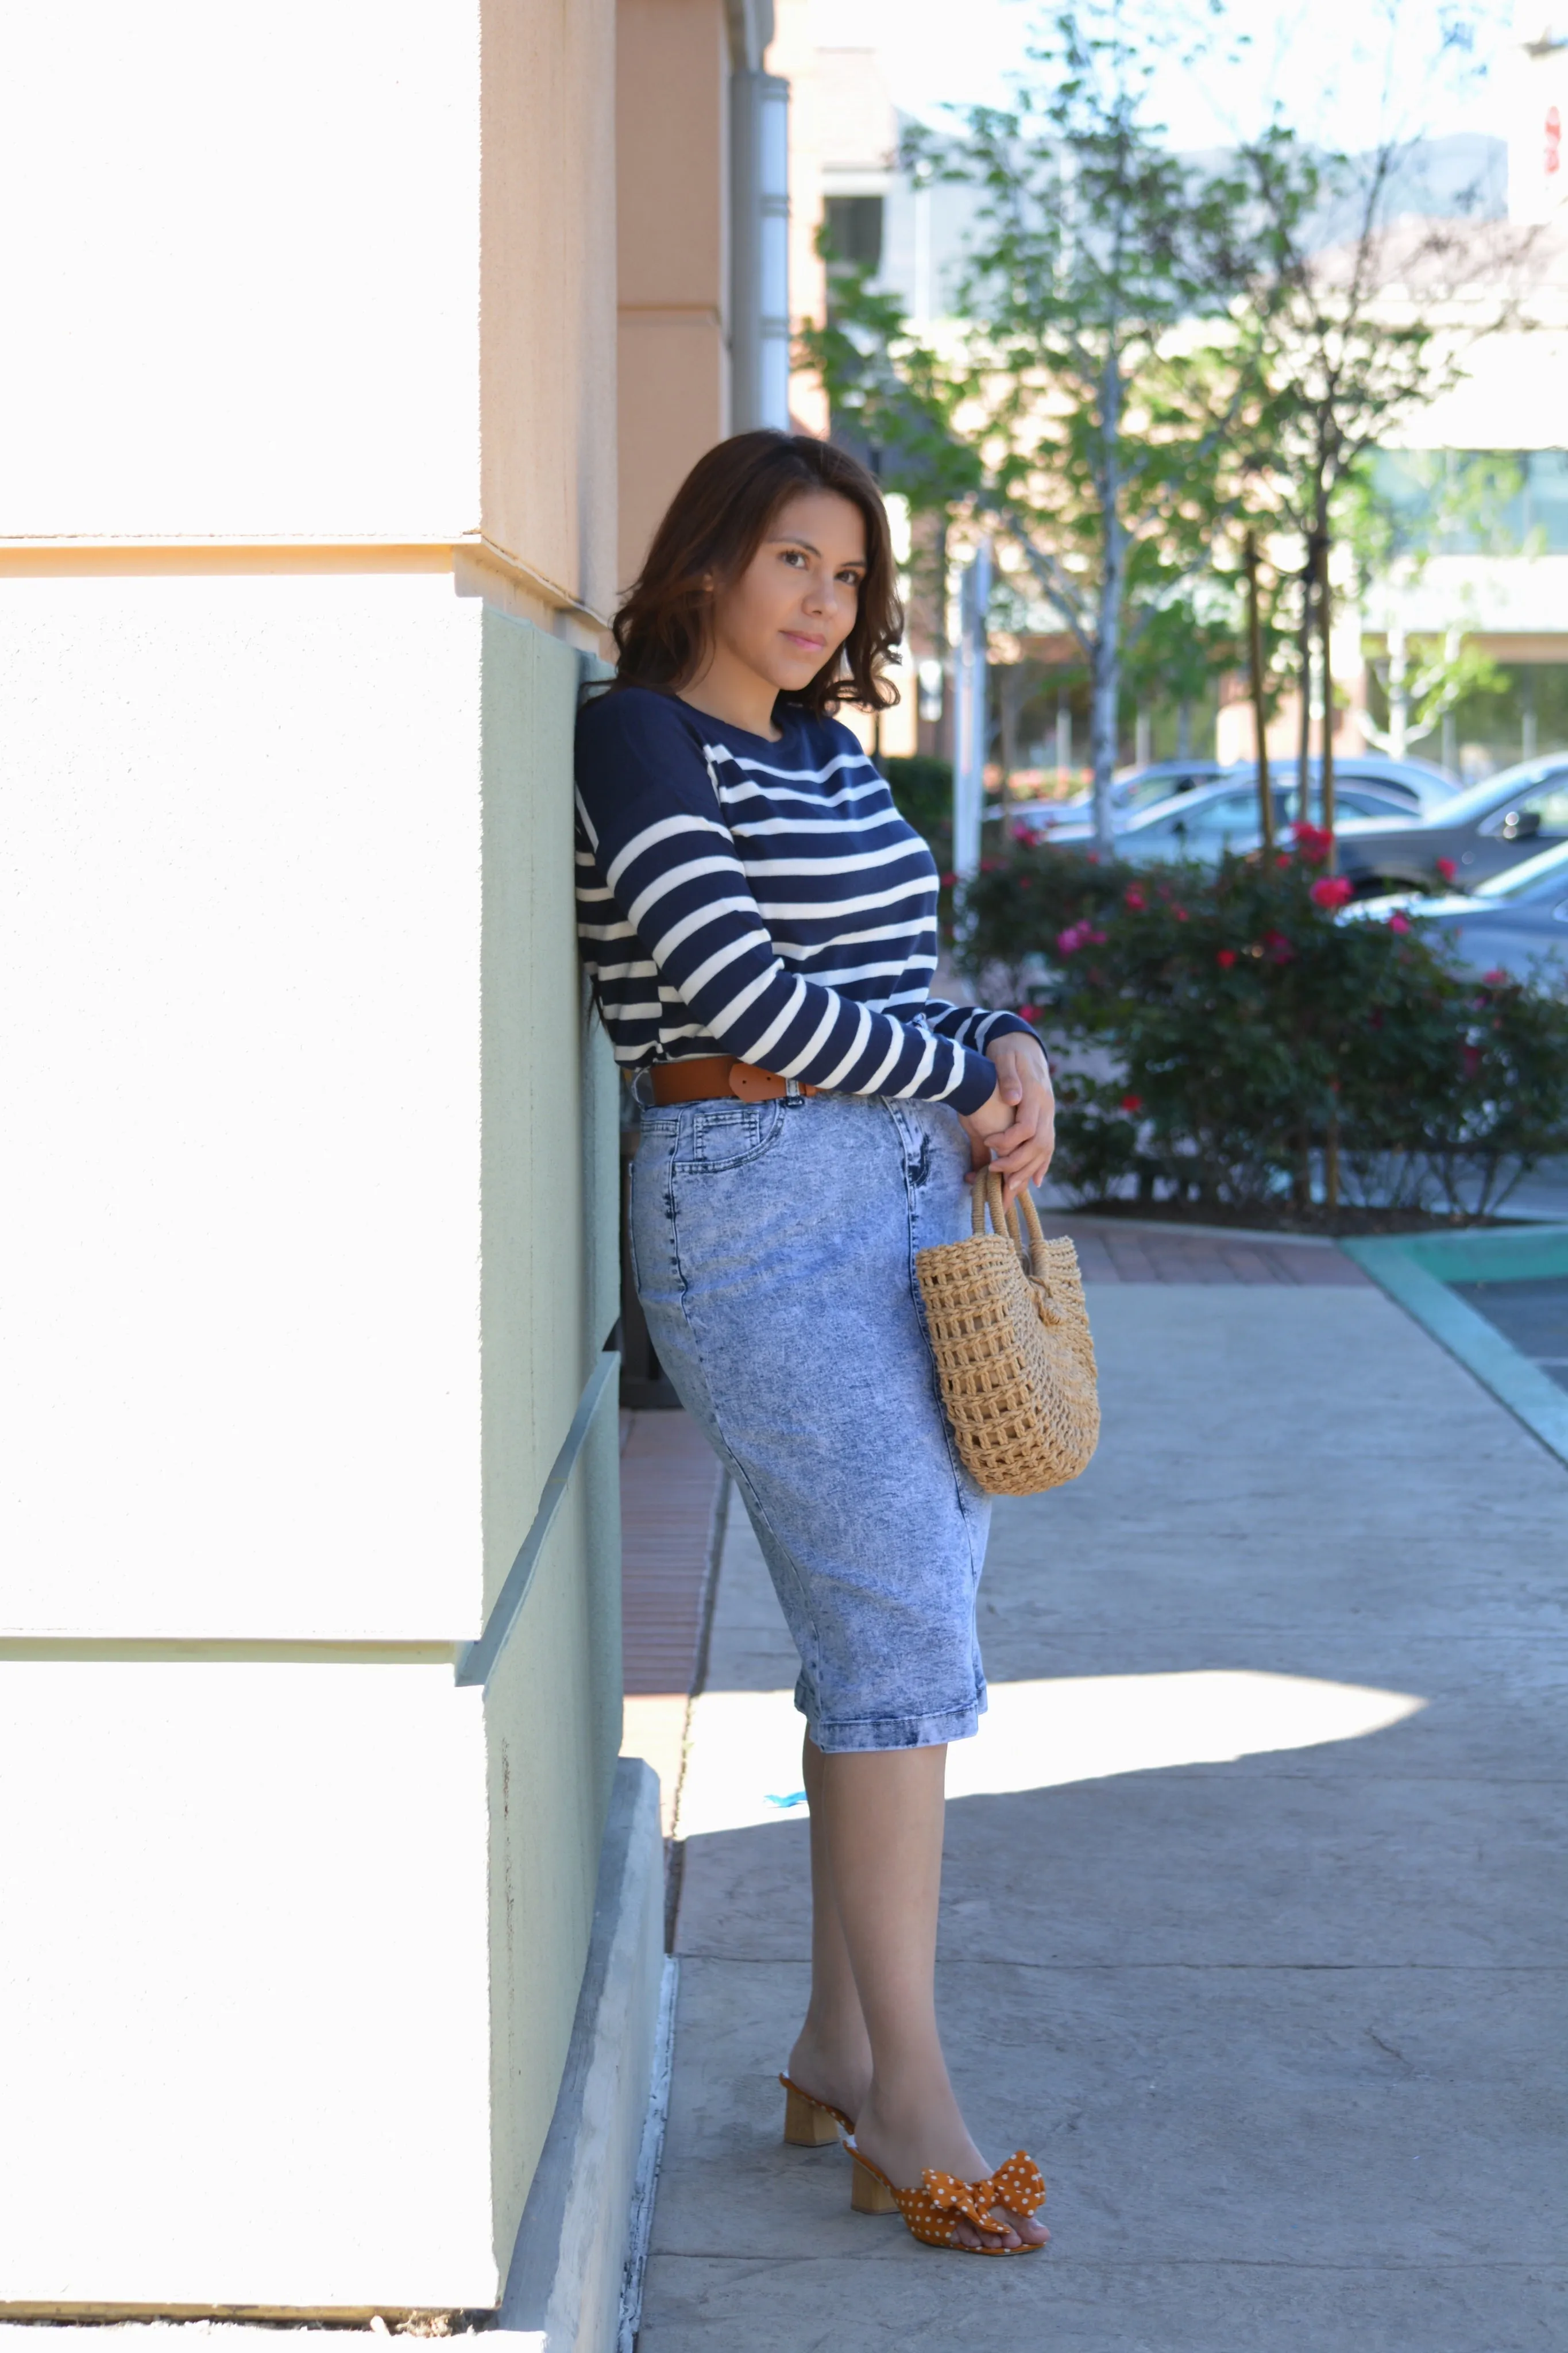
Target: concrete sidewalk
1253,1922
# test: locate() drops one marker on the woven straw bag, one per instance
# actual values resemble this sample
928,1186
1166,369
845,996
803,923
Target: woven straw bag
1014,1350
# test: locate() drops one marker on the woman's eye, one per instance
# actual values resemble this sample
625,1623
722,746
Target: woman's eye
793,556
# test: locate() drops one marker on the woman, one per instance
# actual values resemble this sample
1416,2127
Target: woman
761,926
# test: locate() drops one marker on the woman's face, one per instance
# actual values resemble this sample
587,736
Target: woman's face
795,602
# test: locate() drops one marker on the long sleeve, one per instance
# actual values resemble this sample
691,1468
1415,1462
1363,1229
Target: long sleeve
972,1024
666,897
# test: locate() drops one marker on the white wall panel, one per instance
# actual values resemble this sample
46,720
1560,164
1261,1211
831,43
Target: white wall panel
240,254
244,1986
239,1056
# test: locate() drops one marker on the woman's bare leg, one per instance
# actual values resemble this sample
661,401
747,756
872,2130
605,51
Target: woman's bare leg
883,1813
832,2055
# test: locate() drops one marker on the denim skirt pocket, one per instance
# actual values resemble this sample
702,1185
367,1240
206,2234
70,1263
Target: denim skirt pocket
720,1136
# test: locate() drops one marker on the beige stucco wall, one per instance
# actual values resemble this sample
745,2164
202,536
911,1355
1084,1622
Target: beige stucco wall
313,1230
672,96
793,53
547,321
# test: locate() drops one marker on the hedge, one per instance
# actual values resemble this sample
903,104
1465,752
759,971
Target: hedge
1226,1036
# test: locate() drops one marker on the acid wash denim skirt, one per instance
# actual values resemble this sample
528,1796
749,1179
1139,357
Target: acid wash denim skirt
774,1246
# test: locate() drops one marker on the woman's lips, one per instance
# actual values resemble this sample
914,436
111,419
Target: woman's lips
807,645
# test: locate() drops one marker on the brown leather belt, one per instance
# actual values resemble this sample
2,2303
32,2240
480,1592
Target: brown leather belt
700,1077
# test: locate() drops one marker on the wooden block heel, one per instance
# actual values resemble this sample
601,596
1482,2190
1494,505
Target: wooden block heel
806,2125
810,2123
869,2193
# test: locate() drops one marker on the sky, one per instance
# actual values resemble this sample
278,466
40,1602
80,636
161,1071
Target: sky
1343,77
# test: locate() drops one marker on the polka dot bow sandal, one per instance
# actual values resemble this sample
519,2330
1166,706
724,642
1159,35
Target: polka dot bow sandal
933,2211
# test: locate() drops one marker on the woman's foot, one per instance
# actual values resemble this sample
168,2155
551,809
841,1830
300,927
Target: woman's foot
904,2143
837,2072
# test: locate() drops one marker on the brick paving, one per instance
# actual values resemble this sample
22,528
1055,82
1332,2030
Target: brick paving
669,1484
1113,1250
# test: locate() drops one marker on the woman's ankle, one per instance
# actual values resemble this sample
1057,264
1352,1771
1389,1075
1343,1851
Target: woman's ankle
833,2061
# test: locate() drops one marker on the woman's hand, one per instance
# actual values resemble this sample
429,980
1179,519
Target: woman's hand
1015,1132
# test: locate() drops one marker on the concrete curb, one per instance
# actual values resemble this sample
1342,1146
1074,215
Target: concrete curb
1415,1271
564,2288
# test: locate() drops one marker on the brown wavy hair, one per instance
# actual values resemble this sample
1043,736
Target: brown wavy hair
715,524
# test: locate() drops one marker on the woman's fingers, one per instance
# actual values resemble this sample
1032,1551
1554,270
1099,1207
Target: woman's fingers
1019,1146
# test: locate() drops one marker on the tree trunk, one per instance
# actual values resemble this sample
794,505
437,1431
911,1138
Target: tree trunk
1255,657
1106,677
1398,691
1011,693
1103,716
1304,664
1325,624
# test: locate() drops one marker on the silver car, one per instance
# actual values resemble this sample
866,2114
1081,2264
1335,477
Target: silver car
1205,823
1516,922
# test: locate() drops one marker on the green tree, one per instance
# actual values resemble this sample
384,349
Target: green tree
1356,328
1084,404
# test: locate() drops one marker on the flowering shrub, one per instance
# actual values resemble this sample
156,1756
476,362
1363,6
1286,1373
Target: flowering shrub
1224,1034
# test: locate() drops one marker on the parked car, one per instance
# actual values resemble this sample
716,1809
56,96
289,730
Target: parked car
1163,781
1213,819
1476,834
1402,785
1516,922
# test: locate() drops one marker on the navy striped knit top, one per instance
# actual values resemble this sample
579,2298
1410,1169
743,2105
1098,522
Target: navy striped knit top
766,900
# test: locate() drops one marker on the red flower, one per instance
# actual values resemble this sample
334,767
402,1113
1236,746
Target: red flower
947,880
1398,922
1472,1059
1283,859
1134,899
1277,947
1225,958
989,865
1180,914
1330,890
1446,869
1496,979
1132,1103
1028,1013
1313,844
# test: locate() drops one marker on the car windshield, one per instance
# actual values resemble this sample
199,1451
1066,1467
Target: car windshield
1517,882
1495,792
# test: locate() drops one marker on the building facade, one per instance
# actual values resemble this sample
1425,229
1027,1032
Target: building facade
319,492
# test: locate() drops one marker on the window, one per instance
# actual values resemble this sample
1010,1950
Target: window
1478,502
1549,802
1546,803
855,230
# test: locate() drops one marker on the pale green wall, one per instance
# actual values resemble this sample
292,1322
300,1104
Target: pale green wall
549,1291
